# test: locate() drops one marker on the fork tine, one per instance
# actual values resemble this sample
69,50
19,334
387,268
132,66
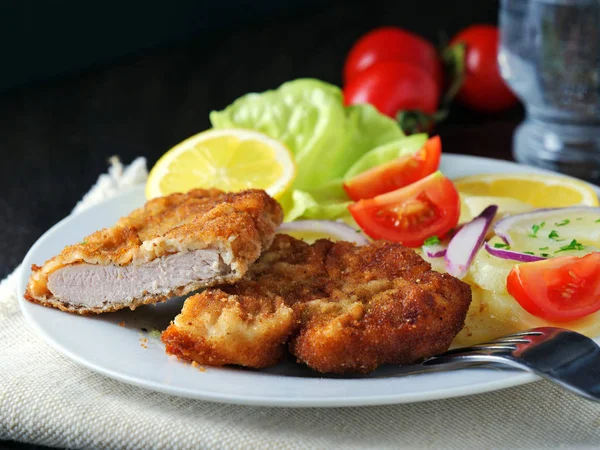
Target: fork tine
511,340
534,332
492,346
482,348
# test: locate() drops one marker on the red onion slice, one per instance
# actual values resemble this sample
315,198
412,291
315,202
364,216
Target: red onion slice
503,227
467,241
439,250
339,230
435,250
510,254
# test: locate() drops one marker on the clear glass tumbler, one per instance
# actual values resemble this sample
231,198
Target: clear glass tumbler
550,57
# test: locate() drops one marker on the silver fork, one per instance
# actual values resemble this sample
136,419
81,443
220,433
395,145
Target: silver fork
564,357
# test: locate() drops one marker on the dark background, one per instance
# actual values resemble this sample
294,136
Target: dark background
128,78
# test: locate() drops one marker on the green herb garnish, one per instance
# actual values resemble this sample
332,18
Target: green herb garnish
579,218
553,235
499,245
535,228
545,255
573,245
529,253
433,240
563,223
543,248
598,221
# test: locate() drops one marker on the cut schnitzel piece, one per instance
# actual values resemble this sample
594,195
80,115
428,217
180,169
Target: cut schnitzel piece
340,308
401,323
171,246
216,328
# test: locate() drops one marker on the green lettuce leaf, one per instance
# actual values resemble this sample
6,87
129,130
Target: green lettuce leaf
328,201
326,139
368,129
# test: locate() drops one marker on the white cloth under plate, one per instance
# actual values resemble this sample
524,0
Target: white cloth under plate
47,399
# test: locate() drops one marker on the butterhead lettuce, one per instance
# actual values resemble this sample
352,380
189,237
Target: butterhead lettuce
326,138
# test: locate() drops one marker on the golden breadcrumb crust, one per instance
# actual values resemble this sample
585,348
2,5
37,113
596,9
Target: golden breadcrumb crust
238,225
217,329
354,308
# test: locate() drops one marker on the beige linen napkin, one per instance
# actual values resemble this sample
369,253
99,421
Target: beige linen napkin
47,399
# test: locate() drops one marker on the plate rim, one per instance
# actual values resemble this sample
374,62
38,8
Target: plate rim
516,379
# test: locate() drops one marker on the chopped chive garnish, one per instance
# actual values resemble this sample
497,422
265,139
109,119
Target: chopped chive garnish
598,221
543,248
500,245
573,245
433,240
563,223
529,253
359,231
545,255
535,228
553,235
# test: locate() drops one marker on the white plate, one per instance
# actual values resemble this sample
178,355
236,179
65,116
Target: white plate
100,344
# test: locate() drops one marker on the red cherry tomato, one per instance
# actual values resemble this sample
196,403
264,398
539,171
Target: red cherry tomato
392,86
396,174
557,289
483,88
393,44
429,207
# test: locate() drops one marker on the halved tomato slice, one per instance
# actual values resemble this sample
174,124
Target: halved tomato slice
396,174
429,207
558,289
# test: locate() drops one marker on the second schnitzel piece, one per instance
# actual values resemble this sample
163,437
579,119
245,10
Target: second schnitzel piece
171,246
337,307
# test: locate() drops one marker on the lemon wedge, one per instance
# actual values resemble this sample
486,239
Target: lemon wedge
538,190
229,159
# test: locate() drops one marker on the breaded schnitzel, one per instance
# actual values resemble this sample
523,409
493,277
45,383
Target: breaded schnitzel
337,307
171,246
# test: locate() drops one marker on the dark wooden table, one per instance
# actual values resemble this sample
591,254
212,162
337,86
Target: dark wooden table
56,137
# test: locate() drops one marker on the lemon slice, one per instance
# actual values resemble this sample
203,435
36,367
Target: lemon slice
229,159
538,190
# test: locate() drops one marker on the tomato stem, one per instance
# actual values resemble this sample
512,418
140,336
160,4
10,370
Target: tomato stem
453,58
415,121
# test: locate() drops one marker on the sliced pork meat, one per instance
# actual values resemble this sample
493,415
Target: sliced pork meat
95,286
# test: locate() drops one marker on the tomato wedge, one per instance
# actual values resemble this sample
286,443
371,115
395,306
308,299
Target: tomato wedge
429,207
396,174
557,289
